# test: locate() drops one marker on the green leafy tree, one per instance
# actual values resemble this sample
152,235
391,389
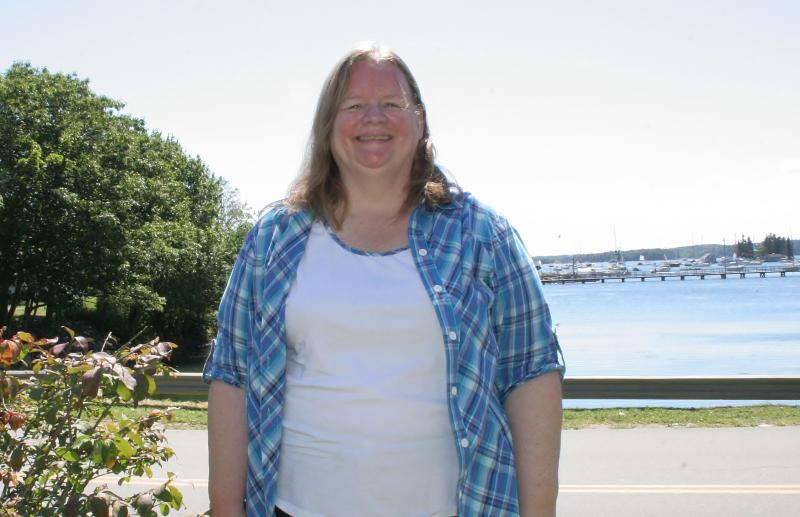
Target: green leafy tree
52,187
94,205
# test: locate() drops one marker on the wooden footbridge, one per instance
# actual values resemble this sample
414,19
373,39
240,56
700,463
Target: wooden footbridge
682,274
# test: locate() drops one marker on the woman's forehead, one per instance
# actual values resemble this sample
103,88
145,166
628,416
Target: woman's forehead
370,77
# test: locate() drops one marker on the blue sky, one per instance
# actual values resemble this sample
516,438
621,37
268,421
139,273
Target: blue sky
667,123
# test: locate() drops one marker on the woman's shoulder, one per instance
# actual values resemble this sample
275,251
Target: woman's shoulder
280,214
278,220
479,218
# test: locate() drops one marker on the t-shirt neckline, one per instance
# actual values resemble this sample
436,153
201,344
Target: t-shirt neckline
358,251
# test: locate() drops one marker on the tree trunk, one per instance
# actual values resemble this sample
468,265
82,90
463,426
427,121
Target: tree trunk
13,305
26,318
49,313
4,299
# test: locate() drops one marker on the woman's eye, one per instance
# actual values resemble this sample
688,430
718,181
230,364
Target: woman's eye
352,107
392,105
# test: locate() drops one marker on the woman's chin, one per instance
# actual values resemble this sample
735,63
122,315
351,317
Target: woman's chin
374,166
373,161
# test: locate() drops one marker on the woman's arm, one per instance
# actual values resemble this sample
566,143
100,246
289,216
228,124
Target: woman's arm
534,412
227,449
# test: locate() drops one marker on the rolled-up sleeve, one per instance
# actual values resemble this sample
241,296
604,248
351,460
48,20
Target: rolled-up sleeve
527,345
227,361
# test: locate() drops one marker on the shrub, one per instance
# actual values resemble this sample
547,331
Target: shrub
56,435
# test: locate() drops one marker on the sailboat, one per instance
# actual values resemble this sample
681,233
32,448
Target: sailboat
618,265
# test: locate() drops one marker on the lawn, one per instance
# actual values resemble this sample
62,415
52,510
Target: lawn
191,414
740,416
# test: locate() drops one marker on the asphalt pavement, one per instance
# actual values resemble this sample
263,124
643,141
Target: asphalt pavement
642,472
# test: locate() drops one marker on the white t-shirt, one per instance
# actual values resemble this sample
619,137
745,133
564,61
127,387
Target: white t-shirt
366,429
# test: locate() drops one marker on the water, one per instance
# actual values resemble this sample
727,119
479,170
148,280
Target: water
736,326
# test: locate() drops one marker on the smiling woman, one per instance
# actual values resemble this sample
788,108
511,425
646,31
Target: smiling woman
377,128
383,335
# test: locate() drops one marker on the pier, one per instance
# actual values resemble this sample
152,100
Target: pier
682,274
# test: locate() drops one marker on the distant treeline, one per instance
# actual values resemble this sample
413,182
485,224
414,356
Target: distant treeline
651,254
772,245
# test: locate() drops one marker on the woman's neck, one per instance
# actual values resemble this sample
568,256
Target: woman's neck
376,198
375,218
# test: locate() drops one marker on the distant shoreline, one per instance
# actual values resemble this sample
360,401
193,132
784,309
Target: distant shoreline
649,254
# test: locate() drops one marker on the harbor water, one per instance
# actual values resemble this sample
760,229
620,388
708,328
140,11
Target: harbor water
733,326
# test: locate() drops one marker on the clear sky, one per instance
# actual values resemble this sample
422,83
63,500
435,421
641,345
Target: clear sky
665,123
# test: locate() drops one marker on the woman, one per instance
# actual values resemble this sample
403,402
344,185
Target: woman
382,335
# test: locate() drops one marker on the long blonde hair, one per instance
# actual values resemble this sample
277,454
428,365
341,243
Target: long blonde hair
319,187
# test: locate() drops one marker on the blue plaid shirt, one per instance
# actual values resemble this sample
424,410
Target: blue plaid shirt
495,323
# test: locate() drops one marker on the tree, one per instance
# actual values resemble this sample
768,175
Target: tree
58,197
94,205
744,248
773,244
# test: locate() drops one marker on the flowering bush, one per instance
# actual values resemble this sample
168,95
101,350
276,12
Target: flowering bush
57,434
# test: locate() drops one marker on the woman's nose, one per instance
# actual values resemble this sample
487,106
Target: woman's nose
373,111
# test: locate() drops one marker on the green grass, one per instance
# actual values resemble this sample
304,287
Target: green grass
191,414
740,416
188,414
89,303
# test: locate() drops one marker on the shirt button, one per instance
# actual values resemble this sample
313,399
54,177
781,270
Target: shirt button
453,391
422,252
437,288
464,443
452,335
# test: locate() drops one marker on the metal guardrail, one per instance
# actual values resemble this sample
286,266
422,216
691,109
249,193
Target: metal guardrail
740,387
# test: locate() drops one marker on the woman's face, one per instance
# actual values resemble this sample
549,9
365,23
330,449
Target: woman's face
377,127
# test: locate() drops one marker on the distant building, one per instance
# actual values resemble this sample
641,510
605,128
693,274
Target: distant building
775,257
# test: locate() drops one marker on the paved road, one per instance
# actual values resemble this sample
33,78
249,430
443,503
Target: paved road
656,472
647,472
